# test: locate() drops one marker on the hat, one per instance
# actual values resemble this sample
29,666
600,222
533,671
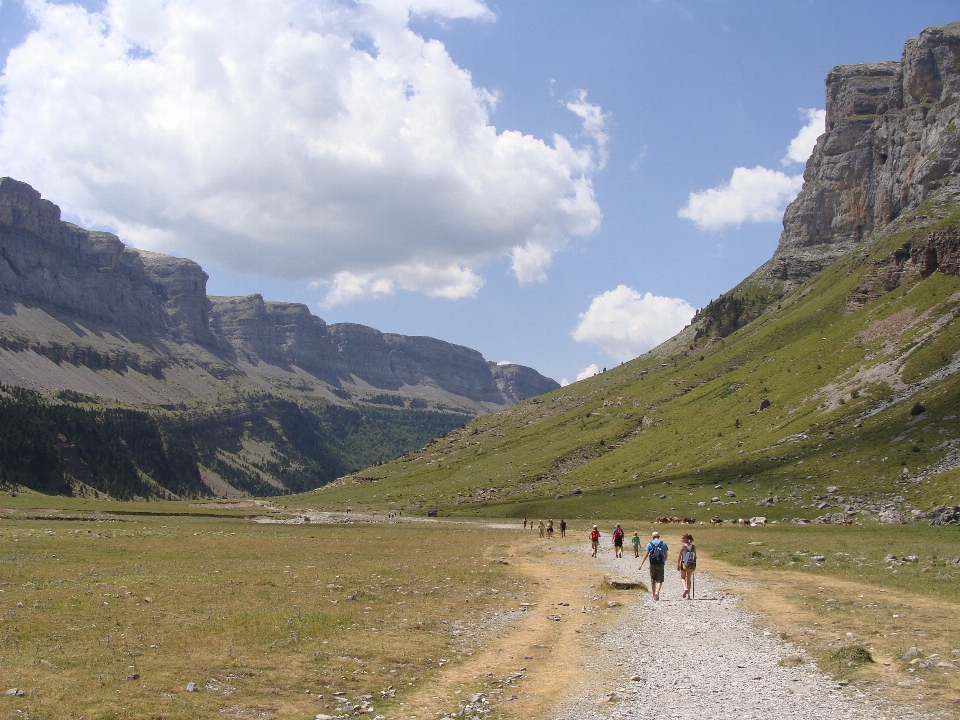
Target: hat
594,527
655,534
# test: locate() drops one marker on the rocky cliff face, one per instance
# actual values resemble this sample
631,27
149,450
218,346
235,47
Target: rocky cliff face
892,137
345,353
92,276
87,300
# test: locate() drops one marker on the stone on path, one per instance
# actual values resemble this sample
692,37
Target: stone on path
622,583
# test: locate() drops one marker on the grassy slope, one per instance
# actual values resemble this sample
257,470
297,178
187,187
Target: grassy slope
688,414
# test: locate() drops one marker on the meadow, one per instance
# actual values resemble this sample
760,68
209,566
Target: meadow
113,616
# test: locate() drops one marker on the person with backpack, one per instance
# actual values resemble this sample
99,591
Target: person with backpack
656,551
594,540
687,564
618,541
563,528
636,544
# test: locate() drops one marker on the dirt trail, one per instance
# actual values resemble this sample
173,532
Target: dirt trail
535,659
536,664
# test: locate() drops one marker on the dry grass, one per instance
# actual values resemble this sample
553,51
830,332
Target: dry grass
113,619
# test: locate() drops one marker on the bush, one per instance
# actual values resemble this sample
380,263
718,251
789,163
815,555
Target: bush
917,409
852,656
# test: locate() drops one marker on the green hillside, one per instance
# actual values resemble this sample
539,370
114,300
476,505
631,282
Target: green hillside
862,389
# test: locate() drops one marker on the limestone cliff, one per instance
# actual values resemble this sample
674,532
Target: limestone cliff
82,311
892,137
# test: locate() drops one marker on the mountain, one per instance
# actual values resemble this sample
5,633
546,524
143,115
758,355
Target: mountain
823,388
95,334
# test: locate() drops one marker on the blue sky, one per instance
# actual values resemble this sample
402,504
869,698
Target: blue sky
507,176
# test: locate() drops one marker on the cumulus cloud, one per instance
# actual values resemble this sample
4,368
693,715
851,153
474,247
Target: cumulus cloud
626,323
755,194
751,195
588,371
802,145
307,140
451,282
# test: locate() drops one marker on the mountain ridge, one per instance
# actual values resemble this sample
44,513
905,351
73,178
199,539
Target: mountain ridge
121,377
121,308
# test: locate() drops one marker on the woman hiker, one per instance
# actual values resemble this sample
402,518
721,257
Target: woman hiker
687,564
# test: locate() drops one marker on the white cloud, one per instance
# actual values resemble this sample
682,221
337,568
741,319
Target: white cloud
295,138
626,324
588,371
802,145
451,283
594,123
504,362
755,194
751,195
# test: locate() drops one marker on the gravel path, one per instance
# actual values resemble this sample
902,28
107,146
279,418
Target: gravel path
704,658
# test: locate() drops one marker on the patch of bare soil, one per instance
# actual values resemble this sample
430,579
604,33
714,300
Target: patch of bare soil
888,327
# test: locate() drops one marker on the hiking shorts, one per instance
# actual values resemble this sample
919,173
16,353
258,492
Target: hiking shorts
618,542
656,573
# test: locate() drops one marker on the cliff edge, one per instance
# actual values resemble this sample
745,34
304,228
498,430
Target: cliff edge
892,137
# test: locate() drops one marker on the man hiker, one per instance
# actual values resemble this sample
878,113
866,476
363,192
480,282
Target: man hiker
656,551
618,541
563,528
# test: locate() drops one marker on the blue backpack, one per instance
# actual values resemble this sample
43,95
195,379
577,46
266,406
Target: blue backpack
656,553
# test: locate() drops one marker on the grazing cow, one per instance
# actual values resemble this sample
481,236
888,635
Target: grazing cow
716,521
689,521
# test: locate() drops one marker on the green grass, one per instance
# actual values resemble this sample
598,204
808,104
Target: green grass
852,552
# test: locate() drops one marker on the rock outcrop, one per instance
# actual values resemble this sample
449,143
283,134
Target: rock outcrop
86,299
892,137
92,276
344,353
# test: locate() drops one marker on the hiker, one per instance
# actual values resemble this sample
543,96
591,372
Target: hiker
656,550
594,540
687,564
618,541
542,528
563,528
550,528
524,523
636,543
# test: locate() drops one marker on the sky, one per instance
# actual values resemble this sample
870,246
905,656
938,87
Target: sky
554,183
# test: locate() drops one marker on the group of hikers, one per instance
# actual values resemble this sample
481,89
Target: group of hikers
546,530
656,552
